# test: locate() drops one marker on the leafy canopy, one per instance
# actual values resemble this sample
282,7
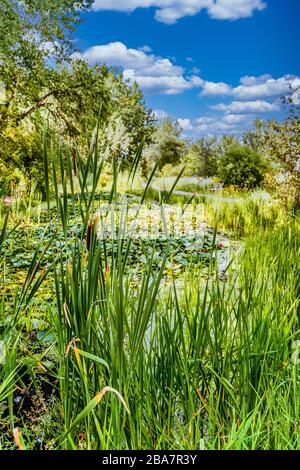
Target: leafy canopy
41,81
168,148
203,157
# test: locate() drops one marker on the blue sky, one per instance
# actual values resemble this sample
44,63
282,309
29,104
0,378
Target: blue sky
213,64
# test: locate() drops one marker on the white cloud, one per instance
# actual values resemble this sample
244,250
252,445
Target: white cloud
160,114
249,80
215,89
252,88
206,120
236,118
163,84
158,75
263,87
228,123
117,54
257,106
235,9
185,124
195,70
145,49
153,74
215,127
169,11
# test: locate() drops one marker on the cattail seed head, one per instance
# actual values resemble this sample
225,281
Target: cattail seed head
89,233
107,274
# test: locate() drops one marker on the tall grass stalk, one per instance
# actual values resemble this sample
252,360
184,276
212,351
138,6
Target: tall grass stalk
206,365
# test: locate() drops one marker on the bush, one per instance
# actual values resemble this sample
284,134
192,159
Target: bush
242,167
21,158
171,170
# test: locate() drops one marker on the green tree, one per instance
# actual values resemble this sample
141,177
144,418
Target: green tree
169,148
242,167
202,157
253,138
76,95
39,81
34,36
227,142
130,121
281,142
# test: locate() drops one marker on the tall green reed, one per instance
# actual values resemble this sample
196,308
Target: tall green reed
190,365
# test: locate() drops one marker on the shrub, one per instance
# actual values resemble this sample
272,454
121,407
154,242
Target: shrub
242,167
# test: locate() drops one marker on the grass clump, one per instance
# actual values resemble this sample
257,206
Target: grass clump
199,361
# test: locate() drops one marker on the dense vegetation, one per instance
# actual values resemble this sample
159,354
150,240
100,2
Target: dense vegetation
201,364
185,340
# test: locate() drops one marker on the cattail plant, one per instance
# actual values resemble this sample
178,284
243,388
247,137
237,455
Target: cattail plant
192,363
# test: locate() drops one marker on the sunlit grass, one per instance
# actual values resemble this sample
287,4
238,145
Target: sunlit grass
200,362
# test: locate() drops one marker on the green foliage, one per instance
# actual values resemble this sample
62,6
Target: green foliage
20,158
253,138
242,167
130,123
200,361
282,143
40,80
33,36
226,142
243,214
279,142
28,27
189,361
168,147
202,157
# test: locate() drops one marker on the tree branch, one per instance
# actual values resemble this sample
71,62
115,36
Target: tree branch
36,106
41,102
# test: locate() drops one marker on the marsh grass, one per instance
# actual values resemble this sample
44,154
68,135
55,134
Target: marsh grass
204,363
245,215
